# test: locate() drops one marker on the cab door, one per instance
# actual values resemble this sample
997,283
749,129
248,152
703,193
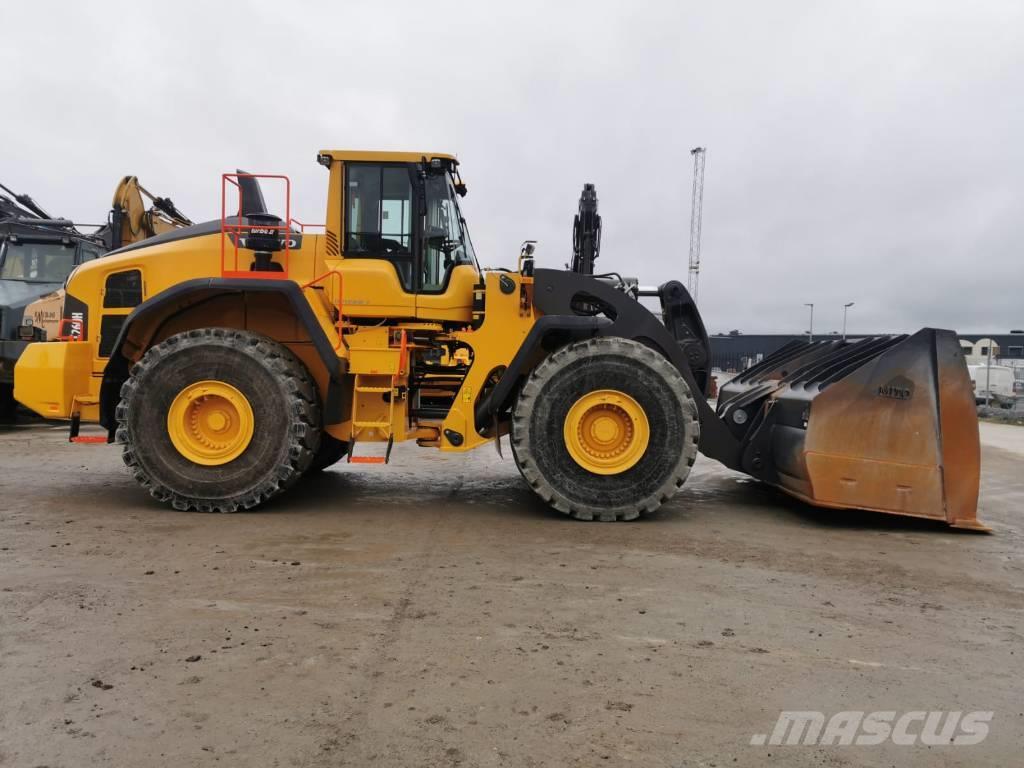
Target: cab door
447,271
380,239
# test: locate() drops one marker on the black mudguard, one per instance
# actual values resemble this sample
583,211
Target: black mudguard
583,306
196,291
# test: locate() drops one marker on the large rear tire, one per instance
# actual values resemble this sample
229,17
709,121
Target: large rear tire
217,420
605,429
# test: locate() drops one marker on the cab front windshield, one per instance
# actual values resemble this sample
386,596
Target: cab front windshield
446,239
36,262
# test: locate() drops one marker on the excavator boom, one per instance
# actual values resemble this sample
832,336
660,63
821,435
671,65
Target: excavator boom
131,221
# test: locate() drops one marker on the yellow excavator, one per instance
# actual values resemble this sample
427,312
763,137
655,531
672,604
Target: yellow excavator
232,358
129,221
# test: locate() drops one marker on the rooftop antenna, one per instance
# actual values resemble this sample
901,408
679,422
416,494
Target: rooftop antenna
696,215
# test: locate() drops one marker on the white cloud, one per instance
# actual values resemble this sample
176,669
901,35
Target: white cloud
860,151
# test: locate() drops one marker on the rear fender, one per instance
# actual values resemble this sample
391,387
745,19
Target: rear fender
191,293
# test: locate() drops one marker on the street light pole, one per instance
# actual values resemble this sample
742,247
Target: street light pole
810,330
845,307
988,374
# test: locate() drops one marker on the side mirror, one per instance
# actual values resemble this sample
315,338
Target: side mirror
526,257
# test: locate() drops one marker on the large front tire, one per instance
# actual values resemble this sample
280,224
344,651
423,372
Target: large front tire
605,429
217,420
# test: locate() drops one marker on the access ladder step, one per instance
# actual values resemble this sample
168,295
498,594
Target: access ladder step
372,389
76,425
371,424
370,459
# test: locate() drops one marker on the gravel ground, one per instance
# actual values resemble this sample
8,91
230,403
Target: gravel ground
433,613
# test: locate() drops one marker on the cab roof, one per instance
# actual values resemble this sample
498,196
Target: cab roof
345,155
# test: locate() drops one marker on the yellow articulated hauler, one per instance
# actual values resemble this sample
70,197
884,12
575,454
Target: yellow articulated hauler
229,359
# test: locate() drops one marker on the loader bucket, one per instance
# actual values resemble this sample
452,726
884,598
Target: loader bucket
886,424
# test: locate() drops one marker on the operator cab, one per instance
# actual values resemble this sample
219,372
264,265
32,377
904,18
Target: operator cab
404,240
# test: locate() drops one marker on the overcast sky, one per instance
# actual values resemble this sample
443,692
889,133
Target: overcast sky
857,151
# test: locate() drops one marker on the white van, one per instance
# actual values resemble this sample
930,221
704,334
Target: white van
998,379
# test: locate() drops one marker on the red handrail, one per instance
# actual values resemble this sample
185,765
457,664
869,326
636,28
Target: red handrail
287,227
302,227
238,227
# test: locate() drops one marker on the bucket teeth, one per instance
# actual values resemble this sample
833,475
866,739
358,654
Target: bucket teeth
886,424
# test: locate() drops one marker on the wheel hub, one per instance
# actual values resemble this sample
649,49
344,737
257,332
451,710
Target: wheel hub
210,422
606,432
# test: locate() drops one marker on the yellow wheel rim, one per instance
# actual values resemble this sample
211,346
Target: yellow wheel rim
606,432
210,423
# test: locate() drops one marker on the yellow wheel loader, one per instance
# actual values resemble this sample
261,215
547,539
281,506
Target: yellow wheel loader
229,359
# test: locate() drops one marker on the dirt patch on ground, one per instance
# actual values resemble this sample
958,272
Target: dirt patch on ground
434,613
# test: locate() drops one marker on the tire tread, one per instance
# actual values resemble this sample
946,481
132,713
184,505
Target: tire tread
302,403
532,390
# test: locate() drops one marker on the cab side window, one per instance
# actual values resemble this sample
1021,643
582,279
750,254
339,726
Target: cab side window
123,290
379,215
